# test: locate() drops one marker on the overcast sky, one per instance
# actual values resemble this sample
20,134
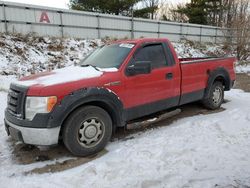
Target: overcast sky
64,3
48,3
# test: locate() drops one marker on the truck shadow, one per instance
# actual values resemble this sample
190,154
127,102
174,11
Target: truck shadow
187,110
60,159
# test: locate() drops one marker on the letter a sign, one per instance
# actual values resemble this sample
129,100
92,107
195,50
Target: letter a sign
44,17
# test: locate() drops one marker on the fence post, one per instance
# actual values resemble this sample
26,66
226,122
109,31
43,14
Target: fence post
216,33
181,32
61,23
159,27
98,26
232,36
200,34
5,19
132,27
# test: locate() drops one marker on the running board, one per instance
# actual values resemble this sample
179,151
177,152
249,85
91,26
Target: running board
150,121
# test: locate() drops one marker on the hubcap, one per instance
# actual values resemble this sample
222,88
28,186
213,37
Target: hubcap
217,95
91,132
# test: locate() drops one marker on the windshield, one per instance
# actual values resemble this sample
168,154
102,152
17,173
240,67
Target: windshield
108,56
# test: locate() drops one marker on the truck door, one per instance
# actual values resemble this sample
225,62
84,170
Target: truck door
157,90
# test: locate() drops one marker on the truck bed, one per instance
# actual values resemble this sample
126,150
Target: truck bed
195,72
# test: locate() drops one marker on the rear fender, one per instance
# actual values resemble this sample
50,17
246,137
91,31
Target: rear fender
220,74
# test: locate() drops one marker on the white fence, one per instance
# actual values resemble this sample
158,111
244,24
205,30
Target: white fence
45,21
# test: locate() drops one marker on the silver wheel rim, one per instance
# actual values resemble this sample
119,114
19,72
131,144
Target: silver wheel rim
217,95
91,132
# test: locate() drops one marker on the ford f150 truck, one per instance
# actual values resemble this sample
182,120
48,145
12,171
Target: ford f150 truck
117,83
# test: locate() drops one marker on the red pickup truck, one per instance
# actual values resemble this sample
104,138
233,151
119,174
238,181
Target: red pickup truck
117,83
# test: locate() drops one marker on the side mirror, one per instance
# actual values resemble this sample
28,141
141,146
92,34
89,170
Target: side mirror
139,67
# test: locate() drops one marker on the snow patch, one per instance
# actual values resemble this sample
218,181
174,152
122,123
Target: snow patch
113,69
64,75
243,68
200,151
5,82
21,56
25,55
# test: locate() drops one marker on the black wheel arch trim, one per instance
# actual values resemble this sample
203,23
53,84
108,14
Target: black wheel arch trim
101,97
220,72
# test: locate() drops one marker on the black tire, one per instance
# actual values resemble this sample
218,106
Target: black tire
87,131
215,96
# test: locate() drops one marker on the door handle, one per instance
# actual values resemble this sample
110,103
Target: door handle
169,76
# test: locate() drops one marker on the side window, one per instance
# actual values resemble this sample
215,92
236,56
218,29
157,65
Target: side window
153,53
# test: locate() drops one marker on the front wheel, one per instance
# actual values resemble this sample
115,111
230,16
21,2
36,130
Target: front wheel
87,131
215,96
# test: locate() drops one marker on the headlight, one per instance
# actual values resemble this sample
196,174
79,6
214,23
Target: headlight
36,105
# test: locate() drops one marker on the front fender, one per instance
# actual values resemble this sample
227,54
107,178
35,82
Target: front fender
93,95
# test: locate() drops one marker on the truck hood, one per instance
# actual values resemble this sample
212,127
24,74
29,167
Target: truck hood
60,76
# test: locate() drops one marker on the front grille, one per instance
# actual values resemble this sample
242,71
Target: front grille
16,100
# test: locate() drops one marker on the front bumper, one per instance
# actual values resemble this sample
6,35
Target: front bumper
33,136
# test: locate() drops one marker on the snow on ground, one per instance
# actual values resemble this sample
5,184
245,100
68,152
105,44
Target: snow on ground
22,55
187,49
5,82
243,68
200,151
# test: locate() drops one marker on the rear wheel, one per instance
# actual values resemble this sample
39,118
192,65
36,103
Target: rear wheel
215,96
87,131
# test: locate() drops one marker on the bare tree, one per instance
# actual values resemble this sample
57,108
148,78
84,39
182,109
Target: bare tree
231,14
238,21
167,12
152,6
215,11
242,24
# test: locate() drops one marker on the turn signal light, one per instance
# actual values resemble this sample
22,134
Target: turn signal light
51,101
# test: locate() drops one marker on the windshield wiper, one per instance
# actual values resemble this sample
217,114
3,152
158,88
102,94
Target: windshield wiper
89,65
